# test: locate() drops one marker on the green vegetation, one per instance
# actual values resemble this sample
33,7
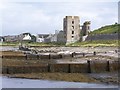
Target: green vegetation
9,43
32,44
46,44
85,43
96,43
107,29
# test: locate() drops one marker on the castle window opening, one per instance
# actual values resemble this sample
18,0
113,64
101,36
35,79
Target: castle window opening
72,27
72,32
88,27
72,36
72,22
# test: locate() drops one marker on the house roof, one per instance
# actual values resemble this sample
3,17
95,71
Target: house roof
1,37
43,35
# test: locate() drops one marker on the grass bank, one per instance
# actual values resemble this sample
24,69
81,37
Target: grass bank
31,44
109,29
9,43
97,43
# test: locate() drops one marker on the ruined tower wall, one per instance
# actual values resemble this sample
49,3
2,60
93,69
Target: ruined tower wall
71,29
86,28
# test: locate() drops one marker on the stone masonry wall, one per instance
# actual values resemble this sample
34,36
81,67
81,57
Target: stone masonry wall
102,37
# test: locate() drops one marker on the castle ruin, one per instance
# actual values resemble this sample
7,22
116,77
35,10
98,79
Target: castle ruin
72,31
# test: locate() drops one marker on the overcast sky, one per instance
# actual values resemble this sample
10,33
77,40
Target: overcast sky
37,16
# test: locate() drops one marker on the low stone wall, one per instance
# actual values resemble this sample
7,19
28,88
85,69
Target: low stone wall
90,67
55,56
114,65
24,69
102,37
31,56
21,57
59,68
99,66
45,56
79,68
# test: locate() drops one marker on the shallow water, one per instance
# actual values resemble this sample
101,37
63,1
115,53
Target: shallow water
32,83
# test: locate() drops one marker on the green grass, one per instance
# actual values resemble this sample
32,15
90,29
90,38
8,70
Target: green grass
9,44
46,44
85,43
96,43
107,29
31,44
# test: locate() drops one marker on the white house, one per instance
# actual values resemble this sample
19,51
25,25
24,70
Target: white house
1,39
27,37
41,37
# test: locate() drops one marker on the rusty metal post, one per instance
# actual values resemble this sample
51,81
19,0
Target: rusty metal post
69,68
49,56
48,67
83,54
108,66
94,53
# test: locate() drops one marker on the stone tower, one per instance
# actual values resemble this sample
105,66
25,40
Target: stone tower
86,28
71,28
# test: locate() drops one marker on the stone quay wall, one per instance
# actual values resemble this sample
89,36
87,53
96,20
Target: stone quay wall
89,67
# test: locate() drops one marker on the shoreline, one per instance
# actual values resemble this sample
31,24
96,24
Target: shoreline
35,83
68,77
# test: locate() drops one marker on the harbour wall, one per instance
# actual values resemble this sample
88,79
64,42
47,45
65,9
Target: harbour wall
89,67
102,37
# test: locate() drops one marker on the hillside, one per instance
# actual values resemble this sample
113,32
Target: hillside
109,29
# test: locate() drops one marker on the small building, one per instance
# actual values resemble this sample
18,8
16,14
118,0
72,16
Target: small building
18,38
11,38
41,37
1,39
27,37
61,37
47,37
54,37
85,28
51,38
